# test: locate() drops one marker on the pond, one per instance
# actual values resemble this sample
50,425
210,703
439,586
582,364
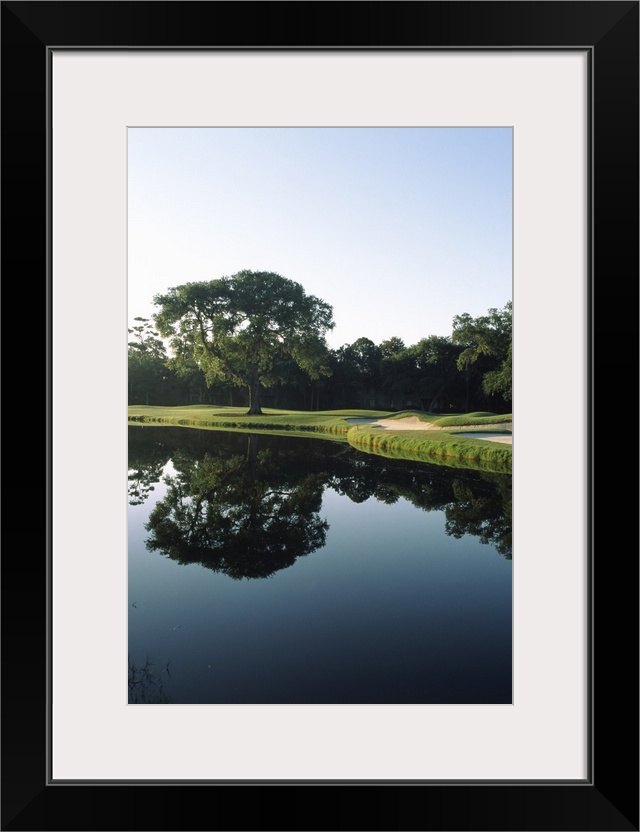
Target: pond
275,570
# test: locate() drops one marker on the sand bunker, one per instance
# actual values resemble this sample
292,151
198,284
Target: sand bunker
489,437
407,423
413,423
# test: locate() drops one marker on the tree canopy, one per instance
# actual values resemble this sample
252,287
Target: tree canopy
245,327
487,349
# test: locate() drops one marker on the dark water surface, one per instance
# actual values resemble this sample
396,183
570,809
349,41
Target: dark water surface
275,570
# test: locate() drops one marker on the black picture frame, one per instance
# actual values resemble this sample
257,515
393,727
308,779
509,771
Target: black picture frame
608,799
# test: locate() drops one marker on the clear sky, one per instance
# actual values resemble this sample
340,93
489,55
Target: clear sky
399,229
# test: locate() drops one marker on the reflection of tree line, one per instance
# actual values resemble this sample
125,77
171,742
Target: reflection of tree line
248,505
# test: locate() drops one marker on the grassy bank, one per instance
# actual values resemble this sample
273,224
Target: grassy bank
437,445
433,446
235,418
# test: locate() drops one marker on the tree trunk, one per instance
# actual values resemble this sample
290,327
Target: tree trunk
254,398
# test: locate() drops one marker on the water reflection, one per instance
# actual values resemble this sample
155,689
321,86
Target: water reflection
248,506
146,463
384,604
247,515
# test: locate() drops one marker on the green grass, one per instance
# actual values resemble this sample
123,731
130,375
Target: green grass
436,446
433,446
235,418
475,419
421,452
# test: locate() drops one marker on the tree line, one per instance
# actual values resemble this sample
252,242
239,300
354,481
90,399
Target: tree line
257,339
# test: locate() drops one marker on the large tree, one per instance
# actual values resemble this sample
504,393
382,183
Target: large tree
240,328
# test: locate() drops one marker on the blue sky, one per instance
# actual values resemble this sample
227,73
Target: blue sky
399,229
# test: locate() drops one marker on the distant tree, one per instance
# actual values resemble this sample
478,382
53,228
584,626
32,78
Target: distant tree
239,328
399,377
486,356
359,371
499,382
392,346
147,359
437,373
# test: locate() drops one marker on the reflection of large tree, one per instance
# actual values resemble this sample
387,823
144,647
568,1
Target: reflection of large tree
244,515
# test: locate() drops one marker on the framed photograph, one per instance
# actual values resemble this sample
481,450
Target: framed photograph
94,94
278,469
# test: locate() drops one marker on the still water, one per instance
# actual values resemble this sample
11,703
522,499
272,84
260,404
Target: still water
276,570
